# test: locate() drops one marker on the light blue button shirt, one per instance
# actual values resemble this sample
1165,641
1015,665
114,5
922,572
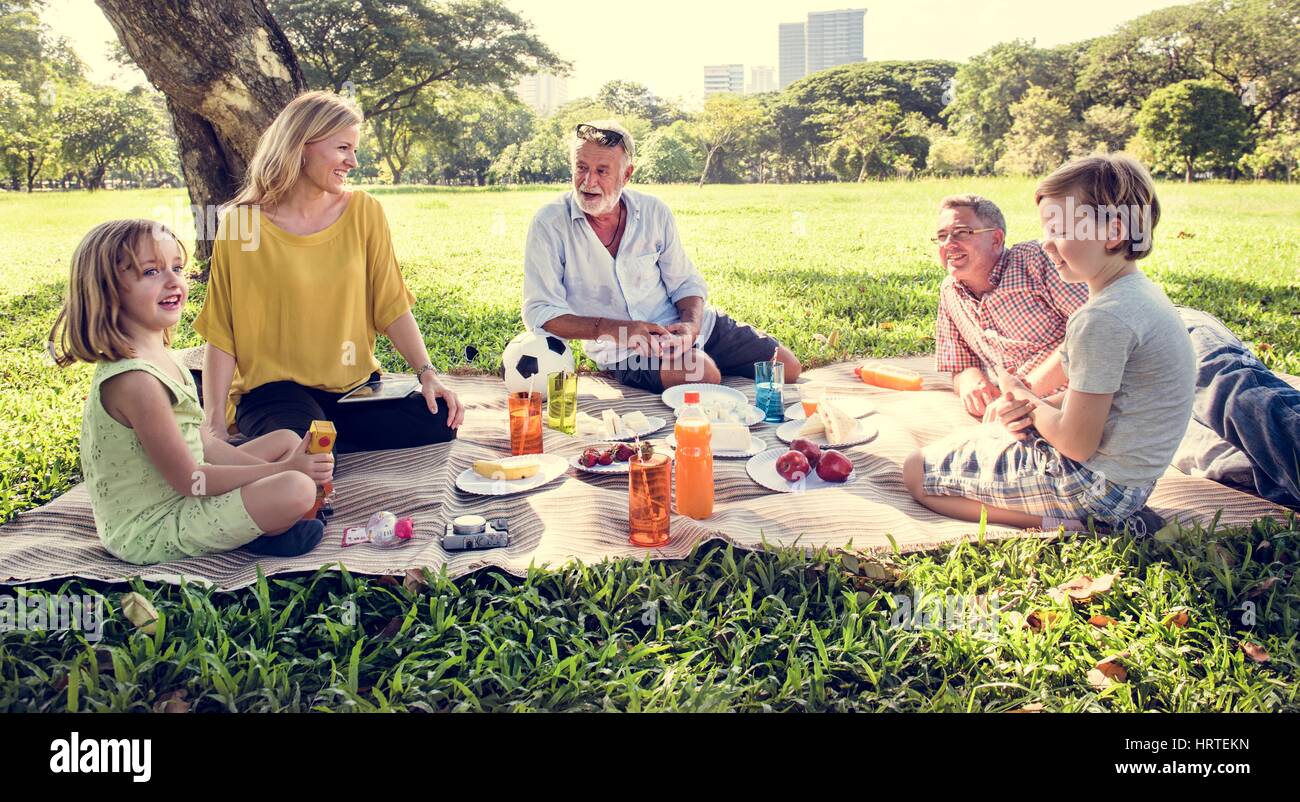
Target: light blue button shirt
567,271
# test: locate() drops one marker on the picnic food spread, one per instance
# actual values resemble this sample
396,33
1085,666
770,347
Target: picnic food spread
837,425
515,469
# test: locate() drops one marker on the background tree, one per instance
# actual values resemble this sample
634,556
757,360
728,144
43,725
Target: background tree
1194,125
948,153
990,83
390,51
871,139
1038,141
631,99
469,127
671,155
1104,129
102,128
227,70
724,123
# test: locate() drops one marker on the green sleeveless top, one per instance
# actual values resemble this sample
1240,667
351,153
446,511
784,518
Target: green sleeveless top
131,499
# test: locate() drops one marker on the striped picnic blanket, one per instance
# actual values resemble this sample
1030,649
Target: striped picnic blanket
583,516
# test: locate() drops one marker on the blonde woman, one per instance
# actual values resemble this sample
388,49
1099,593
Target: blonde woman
291,321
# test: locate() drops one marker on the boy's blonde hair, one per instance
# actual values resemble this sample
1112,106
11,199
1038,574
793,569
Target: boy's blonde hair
1115,183
310,117
89,326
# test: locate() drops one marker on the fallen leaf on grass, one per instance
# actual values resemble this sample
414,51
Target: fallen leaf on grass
1255,652
386,580
1102,621
1035,707
140,612
1039,620
1263,587
173,702
1106,673
392,627
1225,555
414,581
1177,618
1083,589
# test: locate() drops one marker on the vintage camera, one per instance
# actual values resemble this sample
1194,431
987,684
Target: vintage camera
476,532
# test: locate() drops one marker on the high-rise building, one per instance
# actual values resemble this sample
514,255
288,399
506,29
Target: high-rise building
543,92
793,54
719,78
761,79
834,38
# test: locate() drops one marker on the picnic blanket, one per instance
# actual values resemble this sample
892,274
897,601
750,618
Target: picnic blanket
583,516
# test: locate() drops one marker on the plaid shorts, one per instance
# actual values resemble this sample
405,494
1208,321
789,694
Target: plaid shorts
1028,476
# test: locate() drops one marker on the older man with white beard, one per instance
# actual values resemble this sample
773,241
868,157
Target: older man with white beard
604,264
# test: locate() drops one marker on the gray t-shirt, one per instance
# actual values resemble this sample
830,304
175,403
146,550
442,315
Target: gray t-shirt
1129,340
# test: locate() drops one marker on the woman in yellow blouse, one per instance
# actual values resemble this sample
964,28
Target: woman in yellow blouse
303,279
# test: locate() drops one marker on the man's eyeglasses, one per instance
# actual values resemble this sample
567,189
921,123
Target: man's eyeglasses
958,235
590,133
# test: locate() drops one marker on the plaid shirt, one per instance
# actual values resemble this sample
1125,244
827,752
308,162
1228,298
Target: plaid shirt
1018,324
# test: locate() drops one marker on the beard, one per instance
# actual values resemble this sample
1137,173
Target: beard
597,207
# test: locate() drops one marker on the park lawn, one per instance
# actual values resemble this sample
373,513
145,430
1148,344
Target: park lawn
834,271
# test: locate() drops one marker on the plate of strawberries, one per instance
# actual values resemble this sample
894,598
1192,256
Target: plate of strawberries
606,458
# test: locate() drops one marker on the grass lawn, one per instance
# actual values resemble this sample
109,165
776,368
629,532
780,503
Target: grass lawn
773,630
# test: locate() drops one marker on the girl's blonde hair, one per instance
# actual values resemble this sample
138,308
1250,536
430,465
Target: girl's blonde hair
310,117
89,327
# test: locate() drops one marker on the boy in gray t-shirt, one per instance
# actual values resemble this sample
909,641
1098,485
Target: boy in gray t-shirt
1095,450
1129,341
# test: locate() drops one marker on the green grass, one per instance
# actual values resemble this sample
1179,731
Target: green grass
743,631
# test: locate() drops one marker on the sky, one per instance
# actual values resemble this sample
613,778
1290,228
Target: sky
665,44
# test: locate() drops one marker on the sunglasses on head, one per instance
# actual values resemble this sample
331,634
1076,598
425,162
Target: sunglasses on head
590,133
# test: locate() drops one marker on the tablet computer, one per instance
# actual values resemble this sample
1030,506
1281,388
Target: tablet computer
382,390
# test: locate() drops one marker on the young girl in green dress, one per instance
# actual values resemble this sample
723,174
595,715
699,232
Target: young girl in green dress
161,488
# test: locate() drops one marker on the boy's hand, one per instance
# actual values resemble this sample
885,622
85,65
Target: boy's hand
976,393
320,467
1015,386
1015,414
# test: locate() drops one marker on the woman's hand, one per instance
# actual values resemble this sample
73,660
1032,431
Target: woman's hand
216,430
432,389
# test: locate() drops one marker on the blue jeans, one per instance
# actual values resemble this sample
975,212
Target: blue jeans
1249,407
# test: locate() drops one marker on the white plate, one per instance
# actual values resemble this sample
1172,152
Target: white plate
789,431
553,467
674,396
855,407
762,469
655,424
614,468
755,446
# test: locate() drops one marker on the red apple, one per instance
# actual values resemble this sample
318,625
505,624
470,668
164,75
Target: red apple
809,449
793,466
834,466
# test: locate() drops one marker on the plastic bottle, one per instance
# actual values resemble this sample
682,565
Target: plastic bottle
693,462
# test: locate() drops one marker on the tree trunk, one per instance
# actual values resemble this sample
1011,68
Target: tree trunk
227,70
1187,176
707,161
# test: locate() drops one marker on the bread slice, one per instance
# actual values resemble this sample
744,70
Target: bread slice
812,425
729,437
840,426
611,421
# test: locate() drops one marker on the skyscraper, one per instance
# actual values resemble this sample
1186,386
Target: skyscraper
793,61
834,38
721,78
543,92
761,79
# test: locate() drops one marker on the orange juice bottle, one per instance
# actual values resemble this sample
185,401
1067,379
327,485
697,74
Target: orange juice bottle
322,442
888,376
694,460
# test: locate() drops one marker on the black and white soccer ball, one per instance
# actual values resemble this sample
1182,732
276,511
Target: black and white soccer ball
529,358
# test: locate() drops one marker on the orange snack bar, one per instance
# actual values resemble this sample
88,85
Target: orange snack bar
889,377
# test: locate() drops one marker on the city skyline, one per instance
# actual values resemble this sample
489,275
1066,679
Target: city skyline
667,51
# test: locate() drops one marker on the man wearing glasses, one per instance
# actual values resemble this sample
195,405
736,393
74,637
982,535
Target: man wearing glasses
998,307
604,264
1008,307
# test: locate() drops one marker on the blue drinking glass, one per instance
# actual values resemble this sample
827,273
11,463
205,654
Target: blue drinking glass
769,390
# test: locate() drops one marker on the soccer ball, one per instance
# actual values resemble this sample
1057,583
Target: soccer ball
530,358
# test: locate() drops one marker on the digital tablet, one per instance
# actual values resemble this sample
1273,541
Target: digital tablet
382,390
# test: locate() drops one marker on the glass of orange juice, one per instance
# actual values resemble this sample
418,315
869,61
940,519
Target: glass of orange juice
525,423
811,397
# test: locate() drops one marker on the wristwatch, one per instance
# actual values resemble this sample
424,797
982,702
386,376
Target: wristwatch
420,373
